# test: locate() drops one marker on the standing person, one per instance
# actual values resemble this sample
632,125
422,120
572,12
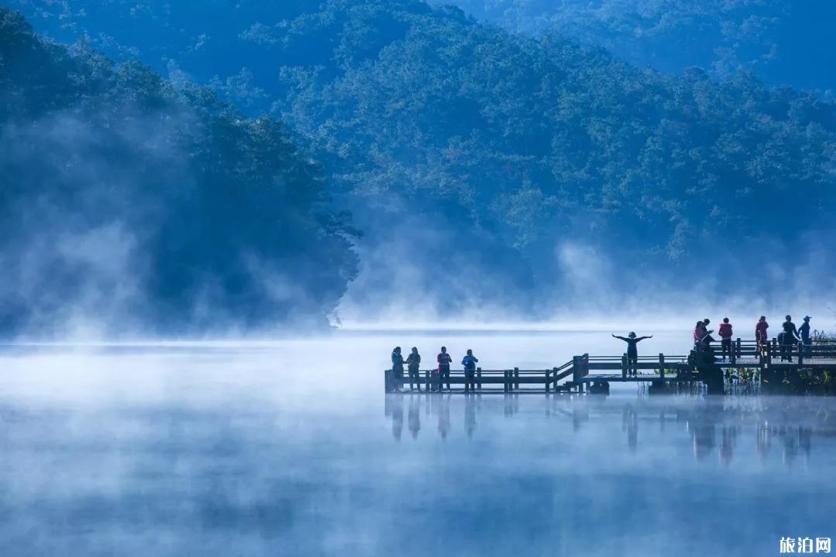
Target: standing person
806,339
726,338
444,361
699,332
413,363
761,334
789,336
469,362
632,351
397,366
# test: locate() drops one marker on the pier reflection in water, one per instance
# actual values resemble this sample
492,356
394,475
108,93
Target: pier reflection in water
252,451
712,425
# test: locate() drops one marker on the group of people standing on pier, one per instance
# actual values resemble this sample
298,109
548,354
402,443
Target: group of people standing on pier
440,375
787,339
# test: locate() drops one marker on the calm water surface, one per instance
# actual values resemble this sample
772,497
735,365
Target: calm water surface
291,448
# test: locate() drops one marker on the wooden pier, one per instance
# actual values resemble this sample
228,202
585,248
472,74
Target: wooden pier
595,373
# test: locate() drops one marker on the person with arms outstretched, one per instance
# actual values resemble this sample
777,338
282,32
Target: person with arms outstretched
632,351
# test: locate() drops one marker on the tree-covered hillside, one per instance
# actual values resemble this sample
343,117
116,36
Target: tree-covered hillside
151,208
783,43
489,167
555,148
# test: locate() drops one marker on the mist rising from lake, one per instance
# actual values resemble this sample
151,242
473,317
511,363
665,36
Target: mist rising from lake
290,447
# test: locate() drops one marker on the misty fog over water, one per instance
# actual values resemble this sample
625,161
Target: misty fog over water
219,218
290,447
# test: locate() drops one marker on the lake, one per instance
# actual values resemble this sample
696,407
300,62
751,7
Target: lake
290,447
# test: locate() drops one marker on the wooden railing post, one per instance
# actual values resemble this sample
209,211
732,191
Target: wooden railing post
624,366
505,383
548,376
479,377
517,379
661,365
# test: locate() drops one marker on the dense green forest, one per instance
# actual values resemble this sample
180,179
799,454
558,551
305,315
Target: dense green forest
541,144
783,43
491,168
150,207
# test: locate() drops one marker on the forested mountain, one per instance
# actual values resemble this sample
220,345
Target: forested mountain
783,43
151,208
489,167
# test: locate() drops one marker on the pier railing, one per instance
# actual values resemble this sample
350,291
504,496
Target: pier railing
589,369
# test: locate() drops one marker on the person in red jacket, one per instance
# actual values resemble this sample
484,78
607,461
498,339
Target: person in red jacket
726,338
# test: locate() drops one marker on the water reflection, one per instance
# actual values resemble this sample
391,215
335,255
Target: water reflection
712,426
197,454
729,439
470,415
414,417
630,424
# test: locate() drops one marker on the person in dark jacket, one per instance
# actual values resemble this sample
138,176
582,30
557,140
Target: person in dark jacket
444,361
469,362
762,334
726,334
413,365
397,366
806,339
789,336
632,351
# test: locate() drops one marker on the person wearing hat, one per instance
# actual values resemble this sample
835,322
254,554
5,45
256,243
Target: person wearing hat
804,333
632,351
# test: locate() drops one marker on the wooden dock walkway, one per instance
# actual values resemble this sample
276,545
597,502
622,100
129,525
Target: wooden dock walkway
595,373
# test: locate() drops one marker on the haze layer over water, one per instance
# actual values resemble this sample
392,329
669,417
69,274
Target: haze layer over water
291,448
